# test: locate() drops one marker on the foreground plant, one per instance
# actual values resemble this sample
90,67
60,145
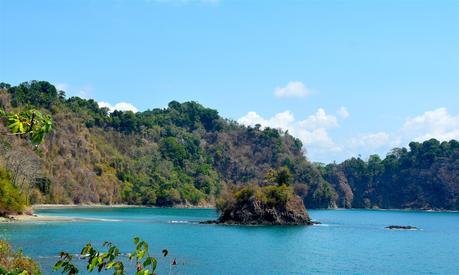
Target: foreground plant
109,260
30,124
13,263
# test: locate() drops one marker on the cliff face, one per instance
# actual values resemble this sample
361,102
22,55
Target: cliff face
339,181
269,205
425,176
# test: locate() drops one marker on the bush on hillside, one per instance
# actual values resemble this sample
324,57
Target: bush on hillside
11,201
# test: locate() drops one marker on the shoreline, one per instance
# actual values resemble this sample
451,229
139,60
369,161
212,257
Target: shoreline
392,209
24,218
64,206
209,206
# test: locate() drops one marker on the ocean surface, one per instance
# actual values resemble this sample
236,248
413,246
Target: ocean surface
347,241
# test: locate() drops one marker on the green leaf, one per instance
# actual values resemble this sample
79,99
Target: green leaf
136,240
147,262
140,254
58,265
15,125
93,263
154,264
86,250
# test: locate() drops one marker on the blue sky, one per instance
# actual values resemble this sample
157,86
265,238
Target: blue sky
346,77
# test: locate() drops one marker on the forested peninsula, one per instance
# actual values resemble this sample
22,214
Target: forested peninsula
188,155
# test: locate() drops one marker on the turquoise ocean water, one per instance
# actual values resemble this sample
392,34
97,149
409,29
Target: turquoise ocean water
347,241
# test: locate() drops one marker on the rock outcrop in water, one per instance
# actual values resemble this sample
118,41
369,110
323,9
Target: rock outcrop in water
402,227
267,205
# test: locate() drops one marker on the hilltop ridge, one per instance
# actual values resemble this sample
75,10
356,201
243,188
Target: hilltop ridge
187,154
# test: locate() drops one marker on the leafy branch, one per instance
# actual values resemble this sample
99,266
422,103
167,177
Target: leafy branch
30,124
109,260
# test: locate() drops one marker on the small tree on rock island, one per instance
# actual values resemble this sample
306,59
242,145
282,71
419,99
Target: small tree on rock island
282,176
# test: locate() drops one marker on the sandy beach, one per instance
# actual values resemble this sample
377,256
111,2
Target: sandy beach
36,218
48,206
51,206
43,218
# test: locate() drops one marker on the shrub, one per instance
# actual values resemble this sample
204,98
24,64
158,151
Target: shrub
11,201
12,262
191,194
271,196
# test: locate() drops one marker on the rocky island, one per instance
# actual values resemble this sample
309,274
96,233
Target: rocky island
262,205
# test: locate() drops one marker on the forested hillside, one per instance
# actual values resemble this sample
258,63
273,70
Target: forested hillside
183,154
187,154
424,177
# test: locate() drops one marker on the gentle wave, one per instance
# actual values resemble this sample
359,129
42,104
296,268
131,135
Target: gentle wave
108,220
179,222
323,224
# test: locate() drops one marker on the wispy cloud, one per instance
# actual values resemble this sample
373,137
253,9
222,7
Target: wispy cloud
343,112
292,89
438,124
372,140
314,132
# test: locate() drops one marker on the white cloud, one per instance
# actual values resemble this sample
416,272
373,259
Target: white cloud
343,112
317,137
432,124
374,140
312,131
438,124
252,119
120,106
319,120
293,89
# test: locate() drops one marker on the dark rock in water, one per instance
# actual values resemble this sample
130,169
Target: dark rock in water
279,206
209,222
404,227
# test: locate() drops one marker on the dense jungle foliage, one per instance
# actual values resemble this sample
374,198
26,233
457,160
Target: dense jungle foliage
184,154
187,154
425,176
